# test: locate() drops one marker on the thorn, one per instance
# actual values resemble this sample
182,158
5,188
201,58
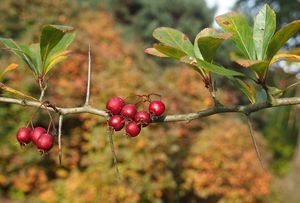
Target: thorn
112,148
254,142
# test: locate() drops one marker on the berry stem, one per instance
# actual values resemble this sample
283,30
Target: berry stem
48,129
60,122
51,120
34,113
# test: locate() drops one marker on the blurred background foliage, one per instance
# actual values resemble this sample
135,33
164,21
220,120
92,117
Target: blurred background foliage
208,160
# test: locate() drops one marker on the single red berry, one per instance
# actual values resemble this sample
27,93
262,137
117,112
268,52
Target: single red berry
115,105
157,108
143,118
116,122
23,136
45,142
129,111
36,133
133,129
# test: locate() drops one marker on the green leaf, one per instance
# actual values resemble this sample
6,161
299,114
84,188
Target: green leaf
20,51
30,58
37,61
175,39
264,29
217,69
246,88
13,46
54,38
259,67
242,34
207,42
261,95
154,52
281,37
169,51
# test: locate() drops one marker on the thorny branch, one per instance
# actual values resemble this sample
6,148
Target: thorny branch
244,109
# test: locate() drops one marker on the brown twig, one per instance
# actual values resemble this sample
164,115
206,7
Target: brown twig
244,109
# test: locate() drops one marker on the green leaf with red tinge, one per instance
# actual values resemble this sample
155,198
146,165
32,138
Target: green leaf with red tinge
242,34
246,63
207,42
169,51
152,51
174,38
281,37
259,67
263,31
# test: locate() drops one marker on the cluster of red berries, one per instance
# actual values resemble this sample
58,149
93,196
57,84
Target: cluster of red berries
122,114
38,136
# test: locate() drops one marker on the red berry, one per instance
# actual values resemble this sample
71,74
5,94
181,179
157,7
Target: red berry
116,122
143,118
157,108
133,129
128,111
23,136
36,133
45,142
115,105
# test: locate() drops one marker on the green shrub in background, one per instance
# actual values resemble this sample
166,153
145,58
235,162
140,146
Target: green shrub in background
141,17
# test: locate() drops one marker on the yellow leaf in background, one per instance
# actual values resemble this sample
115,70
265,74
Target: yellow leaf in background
10,67
285,57
3,179
62,173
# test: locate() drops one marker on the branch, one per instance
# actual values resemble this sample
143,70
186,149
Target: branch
43,89
88,85
245,109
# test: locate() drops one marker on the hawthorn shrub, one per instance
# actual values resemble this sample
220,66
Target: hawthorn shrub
223,165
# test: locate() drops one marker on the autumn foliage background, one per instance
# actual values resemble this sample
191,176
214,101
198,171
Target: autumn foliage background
208,160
